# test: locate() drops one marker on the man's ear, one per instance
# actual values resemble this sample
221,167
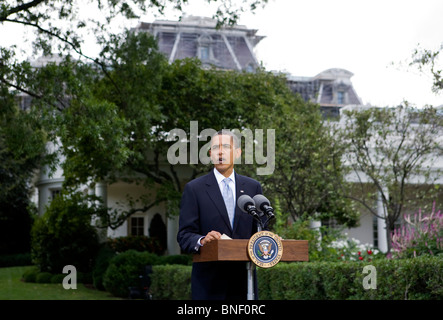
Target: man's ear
237,153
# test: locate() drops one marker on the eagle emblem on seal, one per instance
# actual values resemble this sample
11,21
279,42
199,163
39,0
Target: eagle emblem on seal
265,249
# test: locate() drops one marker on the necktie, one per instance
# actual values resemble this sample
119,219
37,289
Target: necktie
229,200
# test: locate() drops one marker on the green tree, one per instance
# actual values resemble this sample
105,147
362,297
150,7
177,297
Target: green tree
388,149
308,166
427,60
62,24
60,27
307,157
22,151
64,235
123,103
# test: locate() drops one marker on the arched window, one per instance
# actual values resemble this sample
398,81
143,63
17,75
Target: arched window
250,67
157,230
204,48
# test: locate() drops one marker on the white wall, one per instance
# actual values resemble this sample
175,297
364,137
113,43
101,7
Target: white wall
116,198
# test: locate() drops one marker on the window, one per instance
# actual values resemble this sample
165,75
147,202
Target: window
375,231
55,193
137,226
340,97
204,47
204,53
250,67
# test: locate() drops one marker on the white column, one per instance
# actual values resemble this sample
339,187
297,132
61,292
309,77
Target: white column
44,196
101,191
381,223
91,192
315,225
172,229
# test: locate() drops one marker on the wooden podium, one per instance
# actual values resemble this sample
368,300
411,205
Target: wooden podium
237,250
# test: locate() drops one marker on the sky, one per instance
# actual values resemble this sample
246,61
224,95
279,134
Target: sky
373,39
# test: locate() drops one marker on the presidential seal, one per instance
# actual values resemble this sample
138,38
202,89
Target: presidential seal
265,249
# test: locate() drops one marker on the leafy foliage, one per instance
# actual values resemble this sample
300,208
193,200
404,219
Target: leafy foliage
110,118
64,235
387,149
422,234
22,142
138,243
427,58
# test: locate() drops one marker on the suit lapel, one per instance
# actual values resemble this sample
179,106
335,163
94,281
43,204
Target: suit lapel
239,191
214,193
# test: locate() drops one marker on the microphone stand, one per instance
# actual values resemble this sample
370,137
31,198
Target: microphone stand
250,266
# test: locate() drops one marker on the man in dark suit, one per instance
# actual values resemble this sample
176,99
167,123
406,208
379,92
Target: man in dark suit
205,216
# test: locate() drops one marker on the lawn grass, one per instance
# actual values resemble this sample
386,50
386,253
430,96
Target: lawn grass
13,288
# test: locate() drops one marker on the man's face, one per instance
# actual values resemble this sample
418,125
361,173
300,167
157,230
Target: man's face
223,153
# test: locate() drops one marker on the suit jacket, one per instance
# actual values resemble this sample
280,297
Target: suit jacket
202,210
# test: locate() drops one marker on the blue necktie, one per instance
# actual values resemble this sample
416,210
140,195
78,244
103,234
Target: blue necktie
229,200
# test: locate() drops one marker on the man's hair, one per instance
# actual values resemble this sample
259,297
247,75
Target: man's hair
227,132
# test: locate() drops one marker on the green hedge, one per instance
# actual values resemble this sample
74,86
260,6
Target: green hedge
413,279
139,243
171,282
14,260
125,268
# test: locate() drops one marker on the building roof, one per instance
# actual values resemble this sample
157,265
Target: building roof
232,48
332,89
197,37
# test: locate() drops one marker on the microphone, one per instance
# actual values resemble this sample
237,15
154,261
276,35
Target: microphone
247,205
263,205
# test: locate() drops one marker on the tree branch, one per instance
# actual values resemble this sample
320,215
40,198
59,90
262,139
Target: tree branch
19,8
30,93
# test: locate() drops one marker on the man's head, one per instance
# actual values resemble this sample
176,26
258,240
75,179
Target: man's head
225,148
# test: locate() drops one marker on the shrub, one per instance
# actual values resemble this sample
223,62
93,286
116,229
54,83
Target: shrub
58,278
171,282
30,275
322,242
64,236
181,259
353,250
413,279
124,270
104,256
422,234
139,243
43,277
18,259
84,277
281,282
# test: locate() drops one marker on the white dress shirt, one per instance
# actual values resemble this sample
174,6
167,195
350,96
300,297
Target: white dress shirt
219,177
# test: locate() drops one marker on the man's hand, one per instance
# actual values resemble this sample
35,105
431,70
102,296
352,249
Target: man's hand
211,236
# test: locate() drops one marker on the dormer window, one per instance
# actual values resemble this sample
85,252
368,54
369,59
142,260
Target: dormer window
340,97
204,53
250,67
204,48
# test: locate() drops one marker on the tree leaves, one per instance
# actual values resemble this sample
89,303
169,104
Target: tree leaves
391,149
